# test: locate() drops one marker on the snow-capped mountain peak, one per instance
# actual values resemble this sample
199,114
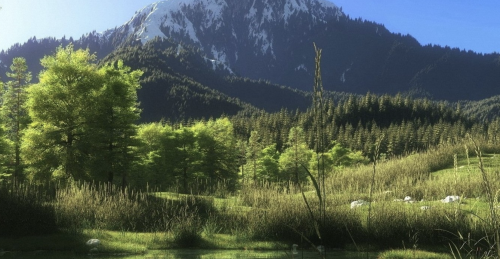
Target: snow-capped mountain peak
228,32
187,19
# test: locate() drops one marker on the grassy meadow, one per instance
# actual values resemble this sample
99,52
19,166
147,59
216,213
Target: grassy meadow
275,216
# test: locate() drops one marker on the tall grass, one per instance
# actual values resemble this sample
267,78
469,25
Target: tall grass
270,212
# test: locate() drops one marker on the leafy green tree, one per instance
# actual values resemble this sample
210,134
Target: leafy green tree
186,157
295,157
339,156
13,112
82,117
218,152
60,106
268,164
113,123
156,153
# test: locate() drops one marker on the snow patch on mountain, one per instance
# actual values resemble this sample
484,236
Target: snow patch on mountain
179,49
342,77
252,12
319,9
154,17
219,55
263,40
301,67
216,64
292,7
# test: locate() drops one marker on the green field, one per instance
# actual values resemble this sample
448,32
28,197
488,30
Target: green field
275,216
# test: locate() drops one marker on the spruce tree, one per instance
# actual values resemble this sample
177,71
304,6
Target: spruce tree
13,112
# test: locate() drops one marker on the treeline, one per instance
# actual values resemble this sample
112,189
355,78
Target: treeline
79,123
200,156
357,122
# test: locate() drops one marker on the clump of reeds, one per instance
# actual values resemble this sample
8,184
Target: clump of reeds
88,206
186,228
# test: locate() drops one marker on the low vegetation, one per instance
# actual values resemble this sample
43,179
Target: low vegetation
267,216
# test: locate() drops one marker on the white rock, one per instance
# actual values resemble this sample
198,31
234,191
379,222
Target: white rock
449,199
93,242
425,207
408,198
358,203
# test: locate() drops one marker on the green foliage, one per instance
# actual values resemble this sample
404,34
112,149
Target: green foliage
14,116
82,118
113,121
268,164
410,125
295,156
190,159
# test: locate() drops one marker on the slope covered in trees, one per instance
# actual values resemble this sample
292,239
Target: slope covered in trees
181,83
81,124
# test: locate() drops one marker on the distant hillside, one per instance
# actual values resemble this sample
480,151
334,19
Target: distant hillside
485,110
180,83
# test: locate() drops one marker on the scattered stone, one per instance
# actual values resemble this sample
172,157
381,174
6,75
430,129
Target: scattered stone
450,199
358,203
93,242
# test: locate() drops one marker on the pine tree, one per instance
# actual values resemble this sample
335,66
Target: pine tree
253,150
14,115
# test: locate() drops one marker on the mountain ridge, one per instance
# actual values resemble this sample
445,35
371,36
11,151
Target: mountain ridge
273,42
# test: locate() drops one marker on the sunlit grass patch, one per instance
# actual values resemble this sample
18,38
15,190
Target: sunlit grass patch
407,254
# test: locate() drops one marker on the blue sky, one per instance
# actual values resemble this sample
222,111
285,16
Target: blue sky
464,24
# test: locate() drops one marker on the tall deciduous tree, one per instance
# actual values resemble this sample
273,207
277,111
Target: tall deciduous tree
186,157
60,106
218,151
268,164
295,156
114,120
82,116
13,112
